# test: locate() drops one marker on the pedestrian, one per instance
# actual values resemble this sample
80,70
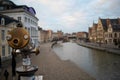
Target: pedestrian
0,62
6,74
0,65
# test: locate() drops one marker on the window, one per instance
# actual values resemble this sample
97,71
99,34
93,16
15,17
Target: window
25,27
3,35
35,23
9,49
25,19
1,8
29,30
3,50
19,18
115,35
110,35
2,21
29,20
110,40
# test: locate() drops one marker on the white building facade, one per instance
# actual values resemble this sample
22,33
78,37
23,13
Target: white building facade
6,24
26,15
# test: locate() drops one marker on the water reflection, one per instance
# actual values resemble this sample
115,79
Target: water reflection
99,64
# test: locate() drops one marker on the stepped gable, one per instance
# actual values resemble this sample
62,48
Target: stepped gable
104,23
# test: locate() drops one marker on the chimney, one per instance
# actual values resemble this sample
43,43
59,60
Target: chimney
119,21
108,21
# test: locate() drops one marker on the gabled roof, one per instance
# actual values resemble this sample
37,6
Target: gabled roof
6,2
7,19
95,26
106,22
114,21
116,28
29,9
8,5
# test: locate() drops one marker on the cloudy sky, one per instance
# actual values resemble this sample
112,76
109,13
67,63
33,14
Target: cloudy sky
71,15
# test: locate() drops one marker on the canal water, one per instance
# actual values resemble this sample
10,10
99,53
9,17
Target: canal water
100,65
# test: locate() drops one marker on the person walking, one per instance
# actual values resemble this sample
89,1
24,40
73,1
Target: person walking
6,75
0,62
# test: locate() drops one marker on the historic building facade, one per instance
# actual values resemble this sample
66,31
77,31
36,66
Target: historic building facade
82,36
45,35
22,13
101,29
60,34
94,32
90,34
6,24
112,36
107,31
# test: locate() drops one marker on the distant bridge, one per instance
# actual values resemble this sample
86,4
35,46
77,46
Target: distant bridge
72,37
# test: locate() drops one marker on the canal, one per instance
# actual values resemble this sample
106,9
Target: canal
100,65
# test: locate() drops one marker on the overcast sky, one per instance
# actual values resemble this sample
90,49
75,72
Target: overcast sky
71,15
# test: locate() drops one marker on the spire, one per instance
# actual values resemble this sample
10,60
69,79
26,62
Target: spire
99,18
93,21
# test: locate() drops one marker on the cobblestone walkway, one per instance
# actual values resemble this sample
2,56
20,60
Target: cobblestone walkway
52,68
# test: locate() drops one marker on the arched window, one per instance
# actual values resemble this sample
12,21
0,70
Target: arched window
115,35
2,21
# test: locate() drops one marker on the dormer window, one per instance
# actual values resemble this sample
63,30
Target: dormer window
1,8
2,21
19,18
110,28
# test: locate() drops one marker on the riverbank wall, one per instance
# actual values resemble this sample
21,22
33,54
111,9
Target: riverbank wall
99,47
